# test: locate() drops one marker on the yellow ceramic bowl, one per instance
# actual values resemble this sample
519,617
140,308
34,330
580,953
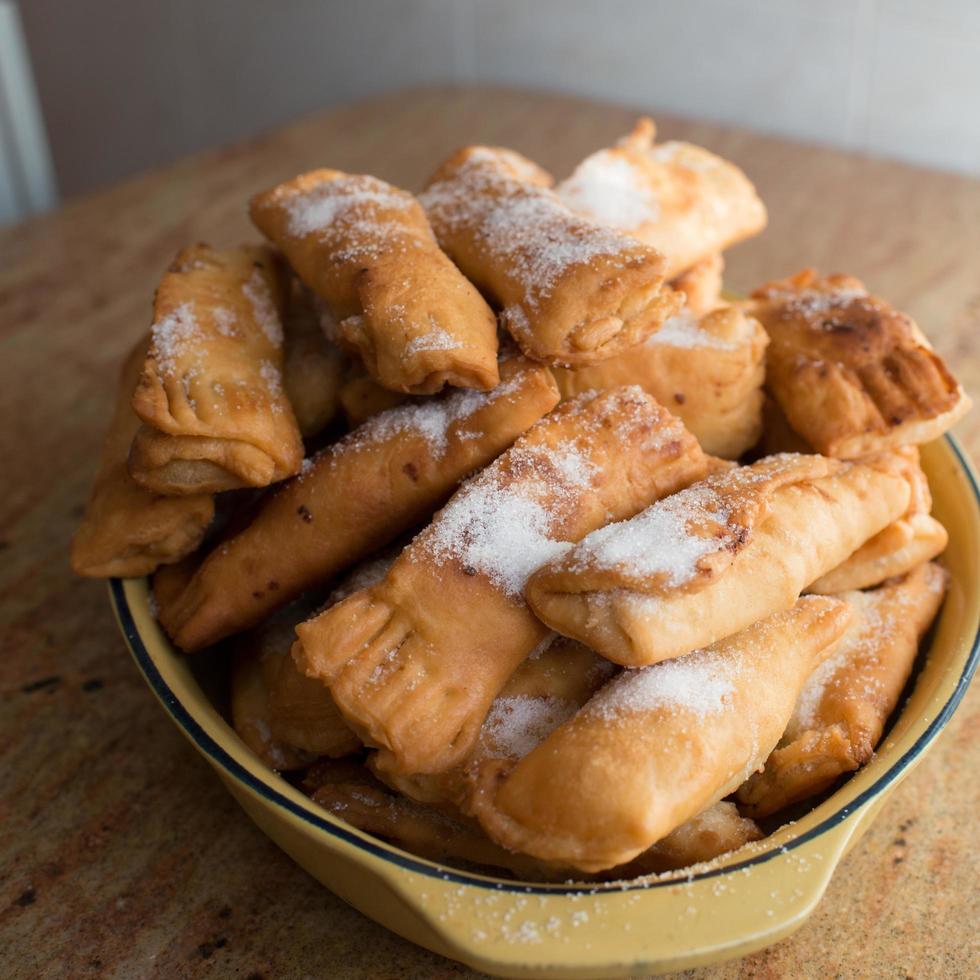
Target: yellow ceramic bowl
749,900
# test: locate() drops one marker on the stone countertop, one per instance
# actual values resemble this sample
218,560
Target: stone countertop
121,855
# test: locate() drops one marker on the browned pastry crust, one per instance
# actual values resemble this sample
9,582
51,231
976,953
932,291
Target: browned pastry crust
657,746
842,709
906,543
545,690
415,662
361,396
701,285
366,249
708,371
128,531
353,498
715,558
571,292
852,374
211,389
681,199
313,367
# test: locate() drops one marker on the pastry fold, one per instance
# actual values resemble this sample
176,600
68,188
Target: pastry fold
313,368
211,390
852,374
701,285
571,292
708,371
361,396
128,531
707,562
415,662
841,712
659,745
683,200
366,249
914,538
352,498
544,691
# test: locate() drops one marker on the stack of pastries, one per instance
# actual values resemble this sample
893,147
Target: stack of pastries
531,550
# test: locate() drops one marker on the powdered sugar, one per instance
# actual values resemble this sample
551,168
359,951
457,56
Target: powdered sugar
667,539
256,291
515,725
435,339
342,200
503,528
174,336
684,331
701,683
432,418
607,188
271,377
225,321
526,227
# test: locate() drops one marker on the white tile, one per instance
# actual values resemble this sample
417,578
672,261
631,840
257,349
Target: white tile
781,67
925,95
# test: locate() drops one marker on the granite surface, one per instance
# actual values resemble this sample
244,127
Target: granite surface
120,854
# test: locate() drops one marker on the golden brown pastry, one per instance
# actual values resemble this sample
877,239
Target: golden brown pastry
716,557
777,435
544,691
313,367
659,745
914,538
348,791
709,372
683,200
128,531
368,252
716,831
571,292
361,396
351,499
841,712
252,673
701,285
415,662
852,374
211,389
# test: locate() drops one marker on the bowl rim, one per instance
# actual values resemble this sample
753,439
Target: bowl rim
219,757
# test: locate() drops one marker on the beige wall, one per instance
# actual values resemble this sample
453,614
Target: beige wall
129,85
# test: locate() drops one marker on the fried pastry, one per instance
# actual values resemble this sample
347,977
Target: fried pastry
313,367
348,791
659,745
570,291
707,562
716,831
914,538
415,662
361,396
253,670
683,200
211,389
701,285
709,372
351,499
301,713
777,435
366,249
128,531
852,374
841,712
545,690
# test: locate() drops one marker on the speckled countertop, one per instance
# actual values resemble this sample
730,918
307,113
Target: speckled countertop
121,855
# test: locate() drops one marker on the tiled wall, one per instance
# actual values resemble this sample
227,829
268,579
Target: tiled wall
126,86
